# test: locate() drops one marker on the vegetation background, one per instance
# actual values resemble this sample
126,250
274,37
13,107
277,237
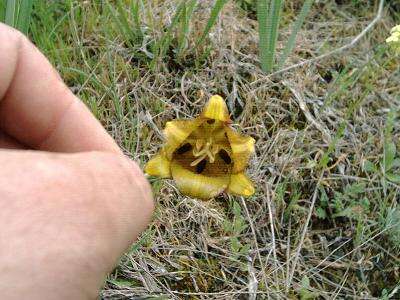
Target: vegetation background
325,220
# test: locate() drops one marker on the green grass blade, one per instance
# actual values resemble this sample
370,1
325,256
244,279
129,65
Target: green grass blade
182,33
122,23
2,10
116,19
24,15
296,27
272,28
135,9
191,7
165,41
218,6
185,22
11,12
262,14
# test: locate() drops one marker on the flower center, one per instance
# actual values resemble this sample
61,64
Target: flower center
204,149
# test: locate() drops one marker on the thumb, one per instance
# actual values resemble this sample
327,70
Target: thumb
66,219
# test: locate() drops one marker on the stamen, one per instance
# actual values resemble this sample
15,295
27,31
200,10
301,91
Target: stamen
195,162
205,149
199,144
211,157
215,149
197,153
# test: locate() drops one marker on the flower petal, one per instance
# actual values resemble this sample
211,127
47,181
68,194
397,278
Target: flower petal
242,147
240,185
197,185
158,166
176,132
395,29
216,109
392,39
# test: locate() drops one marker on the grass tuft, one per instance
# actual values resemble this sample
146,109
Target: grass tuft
18,14
215,11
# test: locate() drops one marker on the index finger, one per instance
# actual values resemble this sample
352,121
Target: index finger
37,108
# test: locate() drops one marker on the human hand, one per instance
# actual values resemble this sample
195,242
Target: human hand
70,202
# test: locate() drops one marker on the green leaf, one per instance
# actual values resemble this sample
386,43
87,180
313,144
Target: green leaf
238,225
332,145
237,211
323,199
245,249
396,163
305,293
324,159
146,238
305,282
227,226
268,45
121,282
18,13
262,16
353,190
369,167
273,26
2,11
235,245
11,13
393,177
24,15
365,204
389,155
321,213
351,212
294,199
390,124
338,200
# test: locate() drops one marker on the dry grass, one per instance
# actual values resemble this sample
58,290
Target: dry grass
313,230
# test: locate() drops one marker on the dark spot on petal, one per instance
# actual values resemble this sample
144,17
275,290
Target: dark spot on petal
201,166
211,121
184,148
225,156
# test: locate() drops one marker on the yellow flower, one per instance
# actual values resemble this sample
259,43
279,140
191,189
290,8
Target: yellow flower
205,156
394,39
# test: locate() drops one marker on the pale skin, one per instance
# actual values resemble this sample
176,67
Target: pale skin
70,202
